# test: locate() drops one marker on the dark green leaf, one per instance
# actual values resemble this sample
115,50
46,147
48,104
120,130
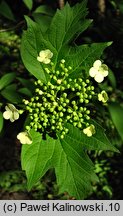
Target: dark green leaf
74,170
33,42
6,79
36,158
28,3
43,20
112,78
66,24
44,9
98,141
6,11
84,56
10,94
1,121
25,91
27,83
116,112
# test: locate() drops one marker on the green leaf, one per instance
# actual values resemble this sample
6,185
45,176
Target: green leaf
43,16
74,170
1,121
27,83
10,94
84,56
116,112
98,141
33,42
66,25
6,11
6,79
44,9
28,3
43,20
112,78
36,158
25,91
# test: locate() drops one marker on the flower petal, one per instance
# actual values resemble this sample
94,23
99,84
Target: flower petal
39,59
93,72
46,61
7,114
48,53
99,77
97,64
15,115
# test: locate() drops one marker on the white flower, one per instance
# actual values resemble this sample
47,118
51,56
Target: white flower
103,96
45,56
11,113
98,71
89,131
24,138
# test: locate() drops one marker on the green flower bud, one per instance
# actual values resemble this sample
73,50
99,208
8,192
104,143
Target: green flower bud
35,115
40,92
75,118
28,128
66,70
62,136
78,93
86,101
67,100
73,102
74,124
80,79
68,117
81,100
63,61
60,108
61,114
39,81
70,68
69,110
87,81
79,125
53,127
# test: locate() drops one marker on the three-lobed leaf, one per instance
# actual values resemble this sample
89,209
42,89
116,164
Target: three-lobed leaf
74,170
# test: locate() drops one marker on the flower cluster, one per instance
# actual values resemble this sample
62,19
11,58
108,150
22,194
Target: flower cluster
62,100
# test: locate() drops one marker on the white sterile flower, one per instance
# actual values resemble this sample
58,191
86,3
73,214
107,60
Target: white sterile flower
24,138
98,71
89,131
45,56
103,96
11,113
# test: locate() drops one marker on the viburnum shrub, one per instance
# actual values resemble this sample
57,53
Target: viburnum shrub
61,124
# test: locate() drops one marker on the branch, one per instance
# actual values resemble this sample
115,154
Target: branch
61,4
101,6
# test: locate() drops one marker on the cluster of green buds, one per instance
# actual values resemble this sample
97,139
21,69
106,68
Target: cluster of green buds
62,100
